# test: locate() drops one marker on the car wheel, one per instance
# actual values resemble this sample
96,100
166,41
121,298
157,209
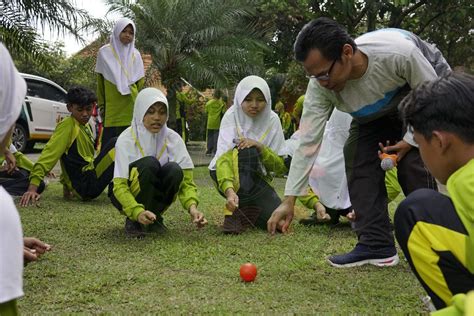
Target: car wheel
20,137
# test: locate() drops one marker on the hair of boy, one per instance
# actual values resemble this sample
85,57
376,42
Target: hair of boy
325,35
217,94
80,96
445,104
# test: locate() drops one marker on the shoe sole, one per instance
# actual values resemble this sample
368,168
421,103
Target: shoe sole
385,262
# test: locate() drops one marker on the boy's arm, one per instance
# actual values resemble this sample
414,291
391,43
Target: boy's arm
52,152
273,162
22,161
187,193
130,207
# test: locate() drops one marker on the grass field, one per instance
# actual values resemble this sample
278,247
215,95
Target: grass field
94,268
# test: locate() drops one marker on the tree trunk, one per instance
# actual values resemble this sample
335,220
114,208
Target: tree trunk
171,96
371,15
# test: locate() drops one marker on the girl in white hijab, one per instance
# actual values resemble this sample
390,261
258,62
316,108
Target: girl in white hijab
248,151
120,76
152,166
13,248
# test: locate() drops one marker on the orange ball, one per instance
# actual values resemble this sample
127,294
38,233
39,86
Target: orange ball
248,272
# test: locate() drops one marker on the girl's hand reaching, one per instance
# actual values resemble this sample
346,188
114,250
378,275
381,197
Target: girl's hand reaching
321,213
232,200
197,217
146,218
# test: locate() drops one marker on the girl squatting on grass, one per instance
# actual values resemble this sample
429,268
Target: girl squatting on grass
248,149
152,167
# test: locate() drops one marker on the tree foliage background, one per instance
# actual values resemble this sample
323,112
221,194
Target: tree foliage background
210,43
214,43
448,24
21,20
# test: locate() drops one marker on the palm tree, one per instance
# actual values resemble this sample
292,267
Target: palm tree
19,19
210,43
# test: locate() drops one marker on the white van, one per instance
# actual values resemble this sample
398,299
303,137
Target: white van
44,107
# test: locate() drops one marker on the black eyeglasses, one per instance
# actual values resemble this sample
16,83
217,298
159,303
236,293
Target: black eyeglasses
325,76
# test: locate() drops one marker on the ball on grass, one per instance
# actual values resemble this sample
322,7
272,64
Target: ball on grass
248,272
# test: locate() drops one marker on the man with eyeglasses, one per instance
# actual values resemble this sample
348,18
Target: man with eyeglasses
367,78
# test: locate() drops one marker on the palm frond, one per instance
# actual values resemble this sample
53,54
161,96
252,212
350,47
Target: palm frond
19,18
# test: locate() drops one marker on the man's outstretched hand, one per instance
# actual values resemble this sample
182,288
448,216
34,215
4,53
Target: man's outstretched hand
282,216
401,148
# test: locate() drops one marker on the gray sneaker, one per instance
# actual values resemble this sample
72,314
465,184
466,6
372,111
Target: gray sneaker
362,254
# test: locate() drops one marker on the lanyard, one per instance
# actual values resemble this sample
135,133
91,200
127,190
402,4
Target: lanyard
120,62
141,149
241,136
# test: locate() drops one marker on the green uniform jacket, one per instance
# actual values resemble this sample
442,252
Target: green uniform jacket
21,161
68,133
215,109
116,109
285,119
126,193
182,101
298,109
227,172
461,190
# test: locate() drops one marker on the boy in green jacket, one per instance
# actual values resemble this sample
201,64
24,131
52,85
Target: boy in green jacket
436,232
215,109
83,175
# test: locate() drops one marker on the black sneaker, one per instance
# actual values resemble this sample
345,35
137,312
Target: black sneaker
362,254
133,229
232,224
157,227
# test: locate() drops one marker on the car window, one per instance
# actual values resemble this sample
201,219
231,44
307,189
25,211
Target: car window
34,89
39,89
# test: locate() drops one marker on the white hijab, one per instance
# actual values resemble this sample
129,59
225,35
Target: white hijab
137,142
264,128
118,63
12,92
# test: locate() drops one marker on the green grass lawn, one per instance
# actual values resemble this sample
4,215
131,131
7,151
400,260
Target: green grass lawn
94,268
